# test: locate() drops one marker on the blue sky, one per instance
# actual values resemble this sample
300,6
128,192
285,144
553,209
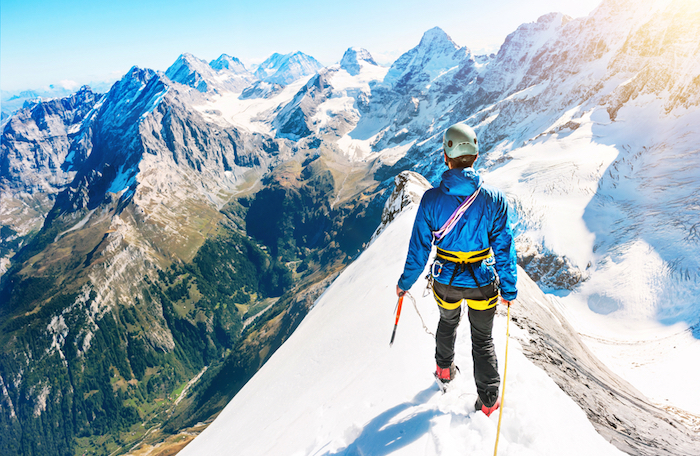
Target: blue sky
74,42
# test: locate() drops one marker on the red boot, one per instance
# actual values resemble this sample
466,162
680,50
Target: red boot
487,410
446,374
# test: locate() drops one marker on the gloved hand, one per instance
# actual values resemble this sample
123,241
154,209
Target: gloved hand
399,291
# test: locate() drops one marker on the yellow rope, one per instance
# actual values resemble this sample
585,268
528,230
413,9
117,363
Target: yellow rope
503,391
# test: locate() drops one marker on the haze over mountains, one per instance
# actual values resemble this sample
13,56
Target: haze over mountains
188,219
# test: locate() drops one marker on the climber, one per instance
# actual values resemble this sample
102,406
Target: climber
475,261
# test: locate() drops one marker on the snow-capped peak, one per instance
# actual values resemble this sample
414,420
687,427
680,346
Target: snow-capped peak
221,75
187,60
227,62
354,59
435,55
287,68
190,70
437,37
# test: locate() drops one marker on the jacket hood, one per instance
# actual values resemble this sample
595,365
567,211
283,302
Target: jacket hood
460,182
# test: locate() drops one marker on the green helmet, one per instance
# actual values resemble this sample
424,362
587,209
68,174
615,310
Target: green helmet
460,140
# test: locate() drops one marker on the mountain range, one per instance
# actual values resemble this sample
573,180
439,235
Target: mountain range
181,225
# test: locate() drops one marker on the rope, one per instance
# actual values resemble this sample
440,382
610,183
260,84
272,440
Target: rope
503,391
413,300
454,218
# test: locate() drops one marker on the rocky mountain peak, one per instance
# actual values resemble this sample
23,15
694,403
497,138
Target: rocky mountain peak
226,73
188,60
133,80
138,74
418,67
554,18
83,90
189,70
436,37
354,59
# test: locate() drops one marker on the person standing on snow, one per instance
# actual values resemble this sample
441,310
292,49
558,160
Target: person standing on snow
475,259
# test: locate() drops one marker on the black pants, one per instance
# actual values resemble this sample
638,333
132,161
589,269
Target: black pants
481,321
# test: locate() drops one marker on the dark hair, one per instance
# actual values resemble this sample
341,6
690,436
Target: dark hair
463,161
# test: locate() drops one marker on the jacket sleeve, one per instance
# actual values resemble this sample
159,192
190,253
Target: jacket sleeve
501,240
418,249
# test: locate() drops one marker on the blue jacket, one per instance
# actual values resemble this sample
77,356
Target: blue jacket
486,223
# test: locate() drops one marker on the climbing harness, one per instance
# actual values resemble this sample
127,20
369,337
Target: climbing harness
503,391
476,304
463,261
431,276
464,257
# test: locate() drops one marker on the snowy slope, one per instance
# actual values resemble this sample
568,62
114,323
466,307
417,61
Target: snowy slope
336,387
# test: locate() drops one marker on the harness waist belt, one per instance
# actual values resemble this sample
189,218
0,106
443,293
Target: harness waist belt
476,304
464,257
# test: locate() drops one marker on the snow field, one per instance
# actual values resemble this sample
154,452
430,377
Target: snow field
336,387
245,113
549,178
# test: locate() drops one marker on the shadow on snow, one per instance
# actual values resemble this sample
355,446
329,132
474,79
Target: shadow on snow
380,438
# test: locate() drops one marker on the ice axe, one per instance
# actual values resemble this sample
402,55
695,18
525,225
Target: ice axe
398,314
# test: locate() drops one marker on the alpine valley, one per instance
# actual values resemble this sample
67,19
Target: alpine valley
159,242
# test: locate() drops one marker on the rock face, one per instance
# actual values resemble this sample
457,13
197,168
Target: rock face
37,141
39,149
409,187
549,270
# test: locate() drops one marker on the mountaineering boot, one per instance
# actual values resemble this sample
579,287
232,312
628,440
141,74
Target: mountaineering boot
487,410
446,374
